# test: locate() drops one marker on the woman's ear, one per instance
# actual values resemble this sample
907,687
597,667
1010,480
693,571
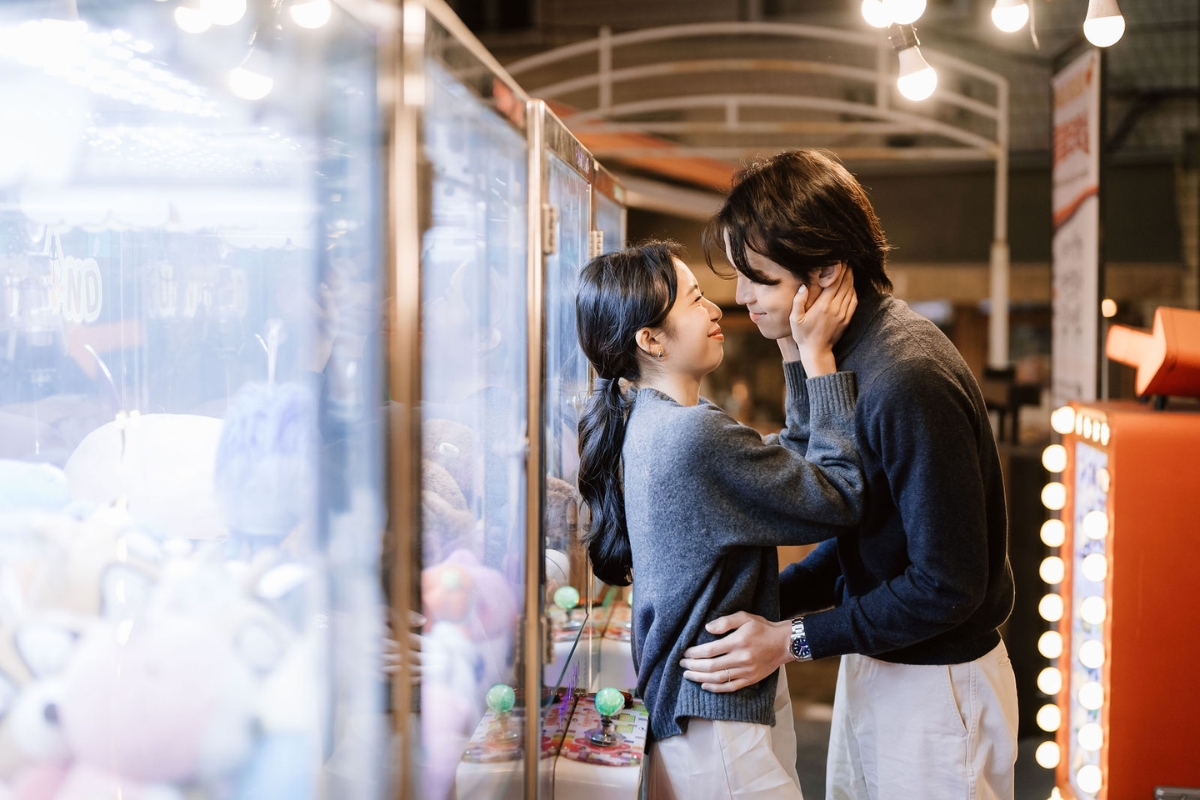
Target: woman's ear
647,343
829,276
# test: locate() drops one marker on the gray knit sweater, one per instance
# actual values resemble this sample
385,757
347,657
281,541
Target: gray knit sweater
706,502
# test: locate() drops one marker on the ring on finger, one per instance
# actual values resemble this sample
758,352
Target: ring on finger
727,676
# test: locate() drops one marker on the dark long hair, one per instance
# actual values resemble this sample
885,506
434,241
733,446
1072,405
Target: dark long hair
803,210
619,294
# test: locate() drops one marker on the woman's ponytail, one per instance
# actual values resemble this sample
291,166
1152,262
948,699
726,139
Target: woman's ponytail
619,294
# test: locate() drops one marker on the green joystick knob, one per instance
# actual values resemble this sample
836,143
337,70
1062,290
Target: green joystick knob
566,598
609,701
500,698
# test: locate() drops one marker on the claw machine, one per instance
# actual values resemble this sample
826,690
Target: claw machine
1127,697
192,502
461,308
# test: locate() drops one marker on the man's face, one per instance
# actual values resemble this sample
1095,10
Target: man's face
770,305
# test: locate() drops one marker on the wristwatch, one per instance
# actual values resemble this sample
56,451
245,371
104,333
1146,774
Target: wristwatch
800,649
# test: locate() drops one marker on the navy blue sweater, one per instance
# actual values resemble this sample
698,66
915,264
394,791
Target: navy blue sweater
925,578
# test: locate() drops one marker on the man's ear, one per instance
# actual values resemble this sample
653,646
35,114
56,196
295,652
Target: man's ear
829,276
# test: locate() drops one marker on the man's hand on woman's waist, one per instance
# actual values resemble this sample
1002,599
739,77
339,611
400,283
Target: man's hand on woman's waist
753,648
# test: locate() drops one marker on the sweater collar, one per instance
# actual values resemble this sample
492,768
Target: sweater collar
868,309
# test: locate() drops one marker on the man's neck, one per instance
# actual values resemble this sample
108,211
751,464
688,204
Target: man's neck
683,389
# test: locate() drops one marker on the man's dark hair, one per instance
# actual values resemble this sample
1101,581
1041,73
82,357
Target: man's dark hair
803,210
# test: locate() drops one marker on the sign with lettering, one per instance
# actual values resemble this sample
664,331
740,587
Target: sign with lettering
1075,245
76,286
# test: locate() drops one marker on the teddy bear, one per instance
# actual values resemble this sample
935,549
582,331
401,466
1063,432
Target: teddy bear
446,523
454,447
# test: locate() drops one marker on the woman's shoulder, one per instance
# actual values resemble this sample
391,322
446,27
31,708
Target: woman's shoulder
658,419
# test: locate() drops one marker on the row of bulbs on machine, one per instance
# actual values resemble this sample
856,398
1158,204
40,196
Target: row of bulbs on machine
1103,27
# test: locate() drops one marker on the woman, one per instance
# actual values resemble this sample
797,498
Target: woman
693,504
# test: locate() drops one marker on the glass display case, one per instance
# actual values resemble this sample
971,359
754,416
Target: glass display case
463,250
191,496
567,172
608,211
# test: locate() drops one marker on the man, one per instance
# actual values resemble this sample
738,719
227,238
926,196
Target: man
912,598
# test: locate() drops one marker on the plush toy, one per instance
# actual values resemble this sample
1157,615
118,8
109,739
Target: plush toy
265,464
159,466
455,447
26,486
562,514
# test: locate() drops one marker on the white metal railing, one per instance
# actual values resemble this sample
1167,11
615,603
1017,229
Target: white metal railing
951,125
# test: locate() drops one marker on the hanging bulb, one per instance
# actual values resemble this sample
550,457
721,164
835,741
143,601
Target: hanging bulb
904,12
1010,15
1104,25
311,14
193,17
225,12
252,80
917,79
875,14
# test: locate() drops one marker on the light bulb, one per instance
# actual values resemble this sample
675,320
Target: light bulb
1054,496
1091,696
1050,644
917,79
904,12
225,12
1051,607
1095,524
1052,570
1050,681
1079,425
1049,718
1108,308
193,19
1105,432
1091,737
1047,755
311,14
1093,610
1095,567
1063,420
250,85
1087,427
1104,25
1054,532
1010,15
1054,458
1089,779
875,14
1091,654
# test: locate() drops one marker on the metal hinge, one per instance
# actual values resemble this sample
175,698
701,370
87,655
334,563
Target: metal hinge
549,229
595,244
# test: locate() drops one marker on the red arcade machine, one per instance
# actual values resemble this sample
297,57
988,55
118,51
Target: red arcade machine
1129,703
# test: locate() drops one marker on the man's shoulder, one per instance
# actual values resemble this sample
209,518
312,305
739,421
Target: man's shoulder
903,347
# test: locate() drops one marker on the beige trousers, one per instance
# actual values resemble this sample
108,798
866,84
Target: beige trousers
903,731
718,760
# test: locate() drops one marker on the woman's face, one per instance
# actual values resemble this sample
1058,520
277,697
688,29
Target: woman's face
692,339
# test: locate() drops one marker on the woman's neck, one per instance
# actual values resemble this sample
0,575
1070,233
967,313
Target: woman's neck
683,389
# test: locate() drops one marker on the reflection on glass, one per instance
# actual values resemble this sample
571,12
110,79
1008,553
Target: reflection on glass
610,220
189,473
474,414
566,392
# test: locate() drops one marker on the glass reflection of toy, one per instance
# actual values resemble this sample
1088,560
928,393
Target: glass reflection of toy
264,471
500,700
566,598
609,702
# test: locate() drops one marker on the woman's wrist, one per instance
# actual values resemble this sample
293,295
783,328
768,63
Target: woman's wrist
817,364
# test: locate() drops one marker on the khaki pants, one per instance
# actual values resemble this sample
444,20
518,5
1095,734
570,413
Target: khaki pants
904,731
718,760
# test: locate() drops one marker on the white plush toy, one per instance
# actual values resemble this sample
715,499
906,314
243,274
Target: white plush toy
159,465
